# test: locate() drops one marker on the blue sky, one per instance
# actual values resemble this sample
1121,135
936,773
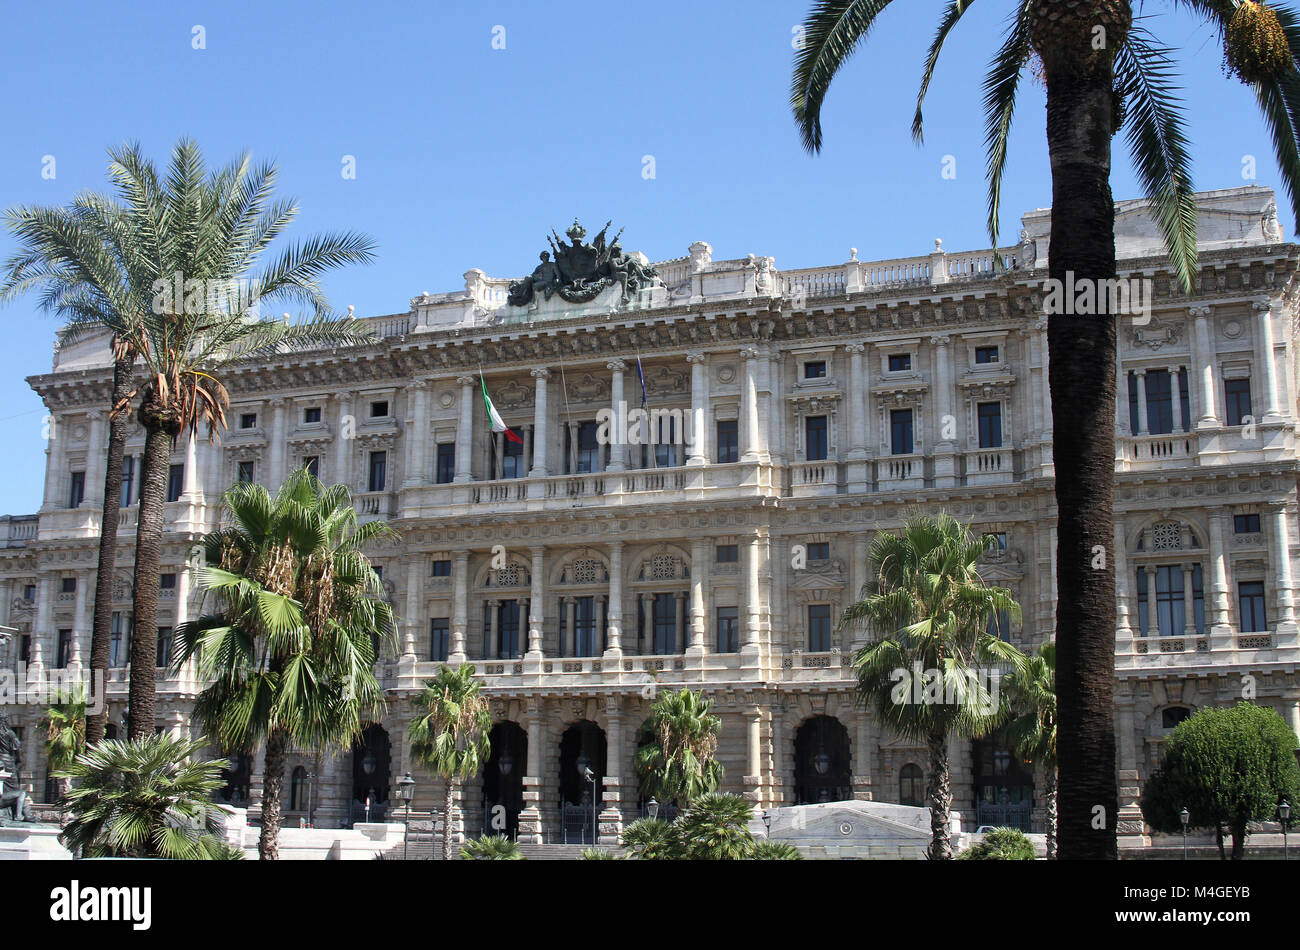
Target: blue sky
467,155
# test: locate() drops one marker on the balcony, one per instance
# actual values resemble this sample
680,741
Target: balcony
900,472
373,505
990,466
814,478
1154,450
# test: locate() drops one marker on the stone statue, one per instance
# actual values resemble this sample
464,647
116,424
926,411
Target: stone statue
13,800
764,278
1271,227
580,271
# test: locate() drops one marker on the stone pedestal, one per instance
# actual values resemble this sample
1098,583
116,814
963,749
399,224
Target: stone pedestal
609,823
32,842
530,818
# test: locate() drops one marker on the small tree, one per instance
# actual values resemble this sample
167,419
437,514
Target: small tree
676,760
1226,767
1031,689
714,828
65,730
490,848
1001,844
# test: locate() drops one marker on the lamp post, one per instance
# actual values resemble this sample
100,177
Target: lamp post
767,824
405,792
590,776
653,807
1284,812
1184,816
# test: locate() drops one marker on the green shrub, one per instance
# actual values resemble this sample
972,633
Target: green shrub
1001,844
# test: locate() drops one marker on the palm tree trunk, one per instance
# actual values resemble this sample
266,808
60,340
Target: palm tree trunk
268,842
1238,840
1049,800
939,795
97,720
1082,383
148,558
448,799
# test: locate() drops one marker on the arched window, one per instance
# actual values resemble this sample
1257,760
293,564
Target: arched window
1171,717
909,785
298,790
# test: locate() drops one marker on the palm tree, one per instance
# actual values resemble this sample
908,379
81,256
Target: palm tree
291,647
145,798
65,729
451,733
677,761
1031,691
174,254
490,848
1101,72
774,851
715,828
931,665
74,255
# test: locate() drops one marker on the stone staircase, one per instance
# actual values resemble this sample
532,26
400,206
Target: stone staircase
551,852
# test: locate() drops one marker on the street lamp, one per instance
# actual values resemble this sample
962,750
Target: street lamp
1284,812
590,776
1184,816
767,823
405,792
653,807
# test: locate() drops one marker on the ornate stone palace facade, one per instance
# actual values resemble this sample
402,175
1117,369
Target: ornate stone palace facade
580,576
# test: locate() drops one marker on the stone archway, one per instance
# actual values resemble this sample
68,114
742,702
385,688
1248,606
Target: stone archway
371,770
582,747
503,779
822,770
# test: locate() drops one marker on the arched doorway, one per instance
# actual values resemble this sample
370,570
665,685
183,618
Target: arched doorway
1003,783
236,779
371,761
582,748
503,780
821,762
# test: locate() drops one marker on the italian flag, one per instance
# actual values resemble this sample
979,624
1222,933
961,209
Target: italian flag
494,417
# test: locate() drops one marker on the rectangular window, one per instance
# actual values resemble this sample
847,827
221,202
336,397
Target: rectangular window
587,453
665,624
1250,596
442,568
900,431
990,424
512,457
728,629
819,551
900,362
815,438
584,623
164,647
64,657
728,441
167,581
25,649
175,482
245,471
128,478
1160,404
77,490
667,444
999,624
1002,540
508,639
116,647
312,464
986,354
378,470
68,585
1170,617
311,414
1236,401
727,553
819,627
446,462
29,592
439,639
379,409
248,420
1245,524
814,369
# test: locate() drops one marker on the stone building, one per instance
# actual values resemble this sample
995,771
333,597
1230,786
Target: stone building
799,412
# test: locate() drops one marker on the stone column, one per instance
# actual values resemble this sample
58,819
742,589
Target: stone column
183,584
460,607
945,460
191,491
492,648
857,474
1264,359
343,442
536,607
530,818
570,628
610,820
1140,380
541,437
417,469
1124,606
648,620
679,625
753,778
699,577
751,445
864,748
1189,609
54,464
614,620
275,476
1203,359
1280,566
415,568
617,447
96,456
83,619
1217,617
1176,397
1153,614
44,620
698,451
464,430
751,638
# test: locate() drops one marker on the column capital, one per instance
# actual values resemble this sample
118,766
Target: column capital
616,366
855,348
466,380
697,356
750,353
614,546
1199,312
539,372
941,339
94,415
461,557
420,383
1262,305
